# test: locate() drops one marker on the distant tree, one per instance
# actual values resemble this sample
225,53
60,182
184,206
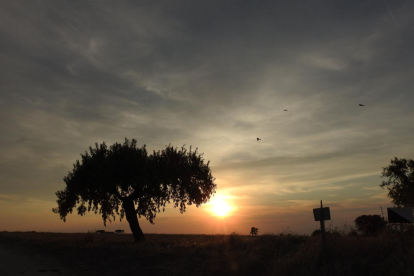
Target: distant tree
370,225
124,180
254,231
400,182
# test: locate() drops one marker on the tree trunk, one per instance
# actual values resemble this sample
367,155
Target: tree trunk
131,216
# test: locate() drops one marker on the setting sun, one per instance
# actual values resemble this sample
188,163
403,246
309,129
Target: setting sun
220,207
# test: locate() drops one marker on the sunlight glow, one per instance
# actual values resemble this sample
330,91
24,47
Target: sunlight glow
220,207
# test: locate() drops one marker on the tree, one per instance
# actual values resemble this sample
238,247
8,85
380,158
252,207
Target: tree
400,183
124,180
370,225
254,231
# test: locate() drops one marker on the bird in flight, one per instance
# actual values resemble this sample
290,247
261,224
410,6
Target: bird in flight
258,139
361,104
285,110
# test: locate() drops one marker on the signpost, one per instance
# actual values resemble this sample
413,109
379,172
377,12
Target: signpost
319,212
400,215
322,214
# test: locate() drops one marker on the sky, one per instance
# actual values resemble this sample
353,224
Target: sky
214,75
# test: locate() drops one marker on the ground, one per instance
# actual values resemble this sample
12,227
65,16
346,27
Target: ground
88,254
20,261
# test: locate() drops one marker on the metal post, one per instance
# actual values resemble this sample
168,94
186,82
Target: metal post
323,233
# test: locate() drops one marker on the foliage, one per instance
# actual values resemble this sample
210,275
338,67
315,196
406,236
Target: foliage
353,233
254,231
329,232
370,225
316,233
124,180
400,182
407,228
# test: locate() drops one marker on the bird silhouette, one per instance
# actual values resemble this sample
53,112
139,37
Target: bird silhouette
285,110
258,139
361,104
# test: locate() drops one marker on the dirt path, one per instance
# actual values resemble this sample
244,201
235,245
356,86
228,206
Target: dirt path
17,261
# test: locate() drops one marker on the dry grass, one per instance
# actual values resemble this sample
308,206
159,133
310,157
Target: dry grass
106,254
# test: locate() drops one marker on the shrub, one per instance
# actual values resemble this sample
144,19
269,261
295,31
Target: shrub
329,233
370,225
234,239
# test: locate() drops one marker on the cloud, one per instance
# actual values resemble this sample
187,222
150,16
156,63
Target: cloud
215,75
6,197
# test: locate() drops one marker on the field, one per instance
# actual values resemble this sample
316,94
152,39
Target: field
163,254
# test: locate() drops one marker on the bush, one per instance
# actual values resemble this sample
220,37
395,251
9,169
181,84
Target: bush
234,239
370,225
329,233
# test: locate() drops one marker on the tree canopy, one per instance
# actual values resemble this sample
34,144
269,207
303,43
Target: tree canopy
370,225
400,182
124,180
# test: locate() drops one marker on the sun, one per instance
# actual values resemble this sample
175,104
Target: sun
220,207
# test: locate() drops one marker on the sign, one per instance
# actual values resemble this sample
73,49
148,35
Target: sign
326,214
400,215
322,214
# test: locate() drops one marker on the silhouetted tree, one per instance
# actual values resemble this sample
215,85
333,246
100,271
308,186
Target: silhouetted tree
254,231
124,180
370,225
400,182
